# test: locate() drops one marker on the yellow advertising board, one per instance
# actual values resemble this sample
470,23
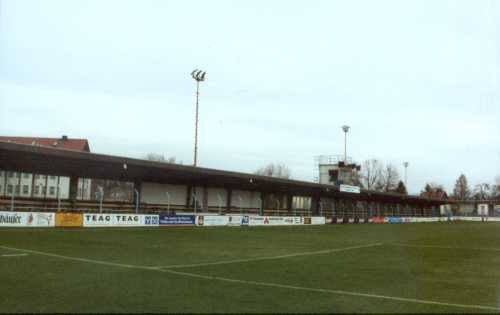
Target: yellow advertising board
69,220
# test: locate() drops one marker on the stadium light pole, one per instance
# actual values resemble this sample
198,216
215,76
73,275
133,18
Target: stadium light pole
345,128
198,76
405,164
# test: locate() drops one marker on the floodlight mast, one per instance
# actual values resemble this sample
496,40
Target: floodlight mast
405,164
345,128
199,76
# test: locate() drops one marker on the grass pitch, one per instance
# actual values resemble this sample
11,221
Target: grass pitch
426,267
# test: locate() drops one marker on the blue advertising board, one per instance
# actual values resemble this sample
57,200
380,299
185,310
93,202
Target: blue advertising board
177,219
151,219
245,220
395,220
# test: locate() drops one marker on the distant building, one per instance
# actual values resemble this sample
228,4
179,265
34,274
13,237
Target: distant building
336,170
43,186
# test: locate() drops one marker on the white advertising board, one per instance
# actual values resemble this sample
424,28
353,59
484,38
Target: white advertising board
13,219
318,220
350,189
27,219
41,219
234,220
212,220
273,220
119,220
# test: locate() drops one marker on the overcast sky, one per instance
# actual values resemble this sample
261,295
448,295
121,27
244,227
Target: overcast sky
417,81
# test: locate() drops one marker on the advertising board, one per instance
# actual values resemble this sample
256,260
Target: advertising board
350,189
69,220
27,219
318,220
41,219
119,220
234,220
395,220
212,220
177,219
13,219
274,220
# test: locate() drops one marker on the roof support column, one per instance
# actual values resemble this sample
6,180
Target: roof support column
229,198
315,200
73,190
137,195
205,199
189,190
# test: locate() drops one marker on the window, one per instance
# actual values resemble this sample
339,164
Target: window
37,176
18,175
52,177
37,190
52,190
18,189
26,175
10,174
1,173
26,189
44,190
9,189
0,188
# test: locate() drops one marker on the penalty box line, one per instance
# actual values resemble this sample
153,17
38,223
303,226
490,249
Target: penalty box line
257,283
235,261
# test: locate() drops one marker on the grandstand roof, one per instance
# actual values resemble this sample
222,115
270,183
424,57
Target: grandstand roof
63,162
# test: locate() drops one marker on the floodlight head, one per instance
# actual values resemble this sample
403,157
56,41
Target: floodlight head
345,128
193,73
198,75
405,164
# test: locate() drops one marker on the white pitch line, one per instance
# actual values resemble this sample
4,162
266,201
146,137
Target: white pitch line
257,283
92,261
234,261
14,255
445,247
338,292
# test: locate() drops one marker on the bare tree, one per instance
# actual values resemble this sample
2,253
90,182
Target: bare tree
495,189
279,170
461,190
389,179
482,191
161,158
371,173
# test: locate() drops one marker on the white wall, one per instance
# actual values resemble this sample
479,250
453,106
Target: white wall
156,193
